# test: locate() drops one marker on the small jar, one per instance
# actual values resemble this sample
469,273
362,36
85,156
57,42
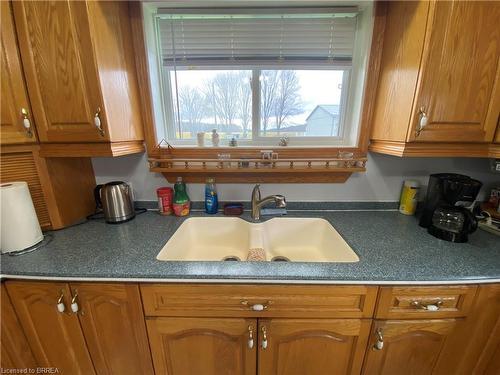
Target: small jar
165,198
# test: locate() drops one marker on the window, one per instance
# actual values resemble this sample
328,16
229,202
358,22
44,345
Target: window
258,75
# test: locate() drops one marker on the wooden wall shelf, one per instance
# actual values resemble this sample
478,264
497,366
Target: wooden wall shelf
258,170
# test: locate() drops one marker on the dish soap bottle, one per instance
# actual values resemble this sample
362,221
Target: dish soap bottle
181,199
211,200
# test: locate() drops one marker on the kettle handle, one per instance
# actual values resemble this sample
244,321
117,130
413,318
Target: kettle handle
97,196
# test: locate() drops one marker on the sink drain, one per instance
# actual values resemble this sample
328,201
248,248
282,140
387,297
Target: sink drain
231,258
280,259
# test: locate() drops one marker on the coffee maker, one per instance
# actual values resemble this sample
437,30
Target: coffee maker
444,215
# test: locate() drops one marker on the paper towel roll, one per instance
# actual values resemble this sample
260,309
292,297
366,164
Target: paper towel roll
19,226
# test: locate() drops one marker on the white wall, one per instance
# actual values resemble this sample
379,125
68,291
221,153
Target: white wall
381,182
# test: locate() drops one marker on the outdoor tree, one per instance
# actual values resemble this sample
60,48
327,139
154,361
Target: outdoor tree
268,87
287,100
192,107
280,97
245,102
224,89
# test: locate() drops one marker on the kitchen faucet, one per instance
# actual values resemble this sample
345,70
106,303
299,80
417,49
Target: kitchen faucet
257,202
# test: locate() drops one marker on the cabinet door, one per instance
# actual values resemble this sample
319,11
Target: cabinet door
459,86
312,346
480,351
114,327
13,98
55,338
61,75
208,346
409,347
15,351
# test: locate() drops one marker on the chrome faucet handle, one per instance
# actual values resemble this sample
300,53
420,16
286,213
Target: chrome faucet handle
280,201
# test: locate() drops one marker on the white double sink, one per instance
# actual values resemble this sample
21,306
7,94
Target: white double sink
285,239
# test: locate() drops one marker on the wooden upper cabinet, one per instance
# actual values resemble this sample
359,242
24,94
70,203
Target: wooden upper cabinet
80,70
459,82
113,324
439,85
55,338
14,98
208,346
411,346
312,346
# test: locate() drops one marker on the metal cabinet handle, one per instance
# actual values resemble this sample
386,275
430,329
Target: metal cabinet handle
97,121
257,306
379,343
250,337
433,306
74,303
423,120
60,303
26,122
264,337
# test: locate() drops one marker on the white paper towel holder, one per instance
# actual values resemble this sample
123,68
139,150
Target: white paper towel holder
20,229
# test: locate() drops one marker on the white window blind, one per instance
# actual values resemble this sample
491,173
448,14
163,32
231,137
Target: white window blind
271,37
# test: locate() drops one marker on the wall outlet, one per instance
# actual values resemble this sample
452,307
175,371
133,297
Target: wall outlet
495,165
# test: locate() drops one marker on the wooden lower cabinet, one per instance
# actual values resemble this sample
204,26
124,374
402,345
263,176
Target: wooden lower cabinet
480,352
208,346
113,324
312,346
54,337
15,350
411,347
105,336
449,330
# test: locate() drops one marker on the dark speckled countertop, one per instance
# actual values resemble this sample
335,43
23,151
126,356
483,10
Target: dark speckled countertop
392,249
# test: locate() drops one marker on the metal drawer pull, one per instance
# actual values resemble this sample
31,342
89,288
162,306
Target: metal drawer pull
379,344
257,306
26,122
97,121
250,337
74,303
264,337
434,306
423,120
60,303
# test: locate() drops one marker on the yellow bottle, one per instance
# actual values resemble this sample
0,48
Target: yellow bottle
409,197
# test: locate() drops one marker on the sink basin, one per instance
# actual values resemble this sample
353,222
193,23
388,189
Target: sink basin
283,239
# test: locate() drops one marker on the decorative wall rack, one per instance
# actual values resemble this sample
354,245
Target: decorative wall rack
258,170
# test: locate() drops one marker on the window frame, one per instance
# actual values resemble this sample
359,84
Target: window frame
141,22
350,134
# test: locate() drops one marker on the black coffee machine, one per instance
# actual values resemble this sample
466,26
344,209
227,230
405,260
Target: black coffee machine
442,217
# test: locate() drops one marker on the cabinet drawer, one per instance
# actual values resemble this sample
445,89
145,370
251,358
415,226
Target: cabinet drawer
425,302
273,300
